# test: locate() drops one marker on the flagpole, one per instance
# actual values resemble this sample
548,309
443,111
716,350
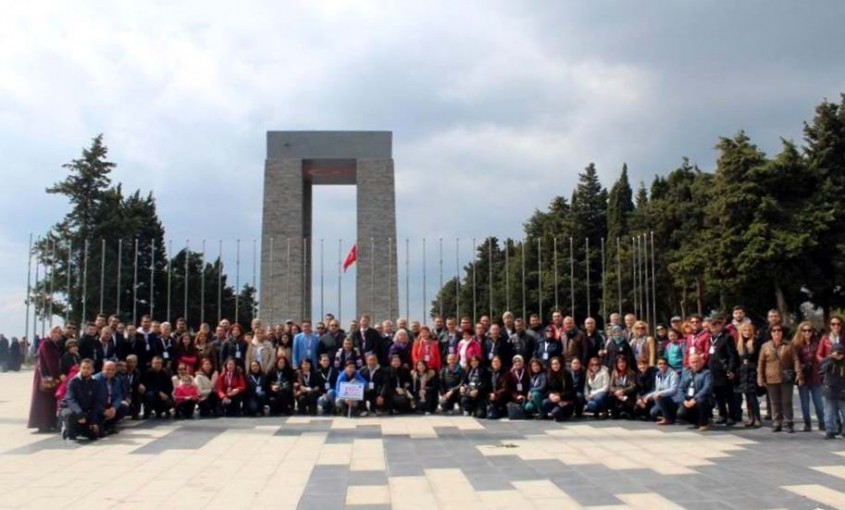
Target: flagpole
202,283
524,301
390,278
169,278
52,275
373,279
119,268
457,279
69,284
187,276
507,274
571,277
287,280
237,280
322,289
603,285
589,305
273,318
619,275
408,278
554,261
29,289
440,312
84,282
540,277
35,296
219,280
425,296
653,283
135,286
102,272
474,264
634,276
490,274
152,276
255,312
339,283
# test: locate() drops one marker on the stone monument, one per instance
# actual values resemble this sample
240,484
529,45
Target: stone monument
297,161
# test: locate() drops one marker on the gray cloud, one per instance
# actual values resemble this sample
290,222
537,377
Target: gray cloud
494,106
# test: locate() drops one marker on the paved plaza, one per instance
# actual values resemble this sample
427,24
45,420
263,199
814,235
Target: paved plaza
412,463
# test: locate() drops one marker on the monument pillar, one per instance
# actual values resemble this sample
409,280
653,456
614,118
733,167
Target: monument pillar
296,161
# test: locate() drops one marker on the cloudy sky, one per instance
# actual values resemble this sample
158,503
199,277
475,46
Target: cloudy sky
494,106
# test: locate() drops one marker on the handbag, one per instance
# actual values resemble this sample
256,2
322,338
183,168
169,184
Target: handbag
515,411
47,384
787,375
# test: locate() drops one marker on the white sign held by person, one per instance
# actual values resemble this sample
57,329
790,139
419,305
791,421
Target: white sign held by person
351,391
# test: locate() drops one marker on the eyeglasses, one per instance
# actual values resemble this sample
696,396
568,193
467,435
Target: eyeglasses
806,330
837,324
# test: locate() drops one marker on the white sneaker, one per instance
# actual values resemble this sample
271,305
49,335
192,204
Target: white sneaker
364,414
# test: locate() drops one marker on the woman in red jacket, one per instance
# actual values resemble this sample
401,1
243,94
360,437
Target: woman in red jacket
426,349
467,348
231,387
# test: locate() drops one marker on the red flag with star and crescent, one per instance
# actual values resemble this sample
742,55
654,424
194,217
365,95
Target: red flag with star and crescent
351,257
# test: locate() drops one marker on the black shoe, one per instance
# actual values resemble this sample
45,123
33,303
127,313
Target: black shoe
776,428
821,426
807,427
790,429
721,421
830,435
730,423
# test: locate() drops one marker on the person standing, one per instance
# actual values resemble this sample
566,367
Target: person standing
778,369
46,377
833,370
722,360
806,344
746,381
305,345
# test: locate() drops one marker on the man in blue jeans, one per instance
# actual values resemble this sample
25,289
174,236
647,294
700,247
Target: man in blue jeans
833,369
661,401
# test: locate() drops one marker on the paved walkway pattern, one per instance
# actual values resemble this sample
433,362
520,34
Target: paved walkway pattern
412,463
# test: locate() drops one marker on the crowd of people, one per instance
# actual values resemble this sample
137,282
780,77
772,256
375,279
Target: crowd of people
11,354
86,382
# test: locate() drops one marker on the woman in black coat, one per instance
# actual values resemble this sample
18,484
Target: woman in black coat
561,400
15,356
746,381
499,394
474,389
398,391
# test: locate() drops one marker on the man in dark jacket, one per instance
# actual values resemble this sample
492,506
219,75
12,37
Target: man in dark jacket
368,340
497,345
695,394
375,377
82,405
833,370
723,360
330,341
522,342
157,390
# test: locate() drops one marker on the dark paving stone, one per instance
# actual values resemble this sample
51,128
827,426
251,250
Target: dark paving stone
186,437
368,507
367,478
312,501
592,495
404,469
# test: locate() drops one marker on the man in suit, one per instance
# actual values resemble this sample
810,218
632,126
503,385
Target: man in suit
368,340
723,362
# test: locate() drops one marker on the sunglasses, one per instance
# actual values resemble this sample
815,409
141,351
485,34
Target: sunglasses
835,323
806,330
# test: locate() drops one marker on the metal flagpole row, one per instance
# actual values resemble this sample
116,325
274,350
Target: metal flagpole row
102,272
618,276
634,278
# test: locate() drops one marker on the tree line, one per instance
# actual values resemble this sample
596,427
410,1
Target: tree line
96,241
762,231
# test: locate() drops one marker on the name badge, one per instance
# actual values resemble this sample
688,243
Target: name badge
238,354
490,356
712,349
328,386
691,391
546,355
472,384
427,358
308,353
165,355
148,347
692,350
371,385
451,350
519,387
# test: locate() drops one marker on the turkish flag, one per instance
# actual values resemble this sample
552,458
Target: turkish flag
351,257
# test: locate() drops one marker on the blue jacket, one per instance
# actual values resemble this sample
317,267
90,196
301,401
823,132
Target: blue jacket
665,385
84,398
702,384
117,389
343,378
305,347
